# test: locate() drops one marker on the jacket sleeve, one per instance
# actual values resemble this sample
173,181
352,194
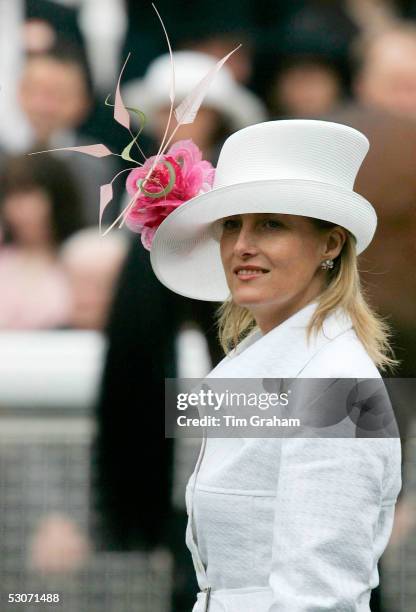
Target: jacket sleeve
333,518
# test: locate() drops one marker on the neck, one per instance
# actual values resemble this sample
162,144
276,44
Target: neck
269,316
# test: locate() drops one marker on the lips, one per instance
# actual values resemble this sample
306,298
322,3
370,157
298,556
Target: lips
249,268
249,271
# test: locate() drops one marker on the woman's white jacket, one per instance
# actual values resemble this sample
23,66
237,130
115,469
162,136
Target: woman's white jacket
292,524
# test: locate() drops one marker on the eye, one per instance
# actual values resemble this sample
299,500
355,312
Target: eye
271,224
230,224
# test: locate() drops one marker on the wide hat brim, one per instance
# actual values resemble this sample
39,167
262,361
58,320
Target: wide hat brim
185,253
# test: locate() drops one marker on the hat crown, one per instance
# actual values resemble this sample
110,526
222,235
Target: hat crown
292,149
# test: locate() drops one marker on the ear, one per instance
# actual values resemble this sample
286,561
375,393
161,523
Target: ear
334,242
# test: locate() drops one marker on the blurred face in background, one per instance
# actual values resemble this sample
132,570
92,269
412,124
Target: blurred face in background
240,63
92,274
53,95
388,78
203,131
306,90
27,215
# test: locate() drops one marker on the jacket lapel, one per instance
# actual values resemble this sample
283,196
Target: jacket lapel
284,351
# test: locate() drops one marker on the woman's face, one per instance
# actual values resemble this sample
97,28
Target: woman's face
272,262
27,214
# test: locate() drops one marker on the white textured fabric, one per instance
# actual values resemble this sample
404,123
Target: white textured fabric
296,524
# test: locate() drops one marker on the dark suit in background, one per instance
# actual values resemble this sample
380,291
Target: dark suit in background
132,486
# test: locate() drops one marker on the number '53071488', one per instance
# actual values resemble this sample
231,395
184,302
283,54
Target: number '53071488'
34,598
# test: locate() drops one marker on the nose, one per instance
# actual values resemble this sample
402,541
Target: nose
245,245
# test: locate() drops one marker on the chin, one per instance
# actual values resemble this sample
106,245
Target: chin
248,297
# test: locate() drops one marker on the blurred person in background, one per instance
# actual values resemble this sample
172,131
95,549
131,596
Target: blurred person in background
320,28
387,177
386,70
390,160
55,93
305,86
96,25
56,97
27,26
92,263
218,28
143,330
57,545
240,64
302,40
103,24
130,430
214,28
226,107
385,87
46,21
39,209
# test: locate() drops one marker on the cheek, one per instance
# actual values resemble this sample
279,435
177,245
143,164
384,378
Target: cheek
294,255
284,251
10,213
39,216
70,110
25,213
226,252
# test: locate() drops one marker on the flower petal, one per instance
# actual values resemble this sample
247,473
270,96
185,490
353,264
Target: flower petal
147,236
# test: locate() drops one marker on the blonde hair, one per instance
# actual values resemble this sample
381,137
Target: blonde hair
343,290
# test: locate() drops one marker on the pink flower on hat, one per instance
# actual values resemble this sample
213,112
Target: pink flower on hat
179,175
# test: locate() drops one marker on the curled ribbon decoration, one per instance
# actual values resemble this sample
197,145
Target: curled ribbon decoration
165,190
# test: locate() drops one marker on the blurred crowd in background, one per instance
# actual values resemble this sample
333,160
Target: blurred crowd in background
351,61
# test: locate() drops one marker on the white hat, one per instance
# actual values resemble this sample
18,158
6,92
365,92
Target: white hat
225,95
299,167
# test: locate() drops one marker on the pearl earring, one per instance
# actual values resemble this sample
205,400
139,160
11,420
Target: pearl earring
328,264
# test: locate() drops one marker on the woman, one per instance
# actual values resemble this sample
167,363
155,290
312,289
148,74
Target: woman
285,524
39,208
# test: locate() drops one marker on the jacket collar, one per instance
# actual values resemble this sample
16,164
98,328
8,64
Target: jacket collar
284,351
